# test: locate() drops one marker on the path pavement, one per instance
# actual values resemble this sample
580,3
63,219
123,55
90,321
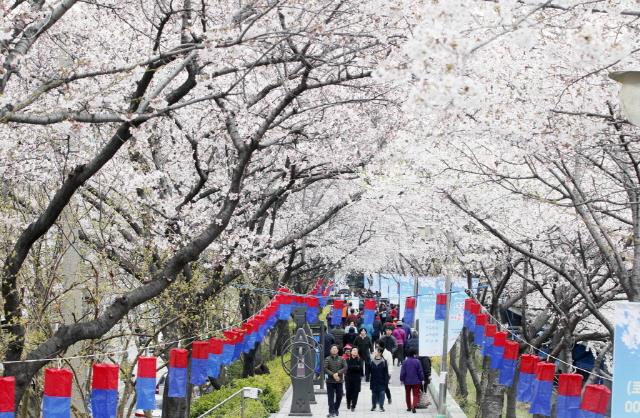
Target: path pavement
397,409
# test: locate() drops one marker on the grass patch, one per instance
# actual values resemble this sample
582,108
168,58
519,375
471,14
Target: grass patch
273,386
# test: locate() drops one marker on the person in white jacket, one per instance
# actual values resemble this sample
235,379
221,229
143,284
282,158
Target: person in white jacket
386,354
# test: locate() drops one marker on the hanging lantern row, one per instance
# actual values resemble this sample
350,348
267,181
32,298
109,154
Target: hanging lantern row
207,359
536,377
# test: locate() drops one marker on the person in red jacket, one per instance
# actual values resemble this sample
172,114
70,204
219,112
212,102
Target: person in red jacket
394,312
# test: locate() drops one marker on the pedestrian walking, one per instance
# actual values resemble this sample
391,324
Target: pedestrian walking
328,342
347,352
364,345
412,343
411,376
350,336
335,367
394,312
379,379
338,336
352,317
386,354
389,341
355,372
400,337
425,362
377,329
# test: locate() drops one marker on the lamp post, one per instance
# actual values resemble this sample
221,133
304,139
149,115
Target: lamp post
444,366
629,93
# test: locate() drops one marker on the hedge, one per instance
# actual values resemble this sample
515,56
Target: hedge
273,386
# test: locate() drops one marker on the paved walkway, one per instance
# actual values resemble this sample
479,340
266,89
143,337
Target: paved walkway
398,407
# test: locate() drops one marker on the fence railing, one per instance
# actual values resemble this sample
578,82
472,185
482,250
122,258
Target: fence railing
246,392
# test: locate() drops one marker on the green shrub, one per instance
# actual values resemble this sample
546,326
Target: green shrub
273,386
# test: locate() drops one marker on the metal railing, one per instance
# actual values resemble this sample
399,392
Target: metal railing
247,392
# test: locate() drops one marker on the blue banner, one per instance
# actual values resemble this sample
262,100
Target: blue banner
431,331
626,380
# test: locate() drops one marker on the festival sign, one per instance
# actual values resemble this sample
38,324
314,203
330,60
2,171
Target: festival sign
431,331
626,380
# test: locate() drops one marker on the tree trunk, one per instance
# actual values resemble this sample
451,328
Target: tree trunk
471,365
282,338
492,394
174,407
249,362
511,398
463,389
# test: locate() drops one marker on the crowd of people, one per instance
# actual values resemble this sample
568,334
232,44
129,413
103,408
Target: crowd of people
352,355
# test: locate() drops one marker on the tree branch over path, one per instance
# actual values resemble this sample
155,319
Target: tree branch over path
594,310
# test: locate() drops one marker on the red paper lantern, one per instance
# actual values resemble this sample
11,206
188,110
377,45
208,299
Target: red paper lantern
261,318
467,304
370,304
569,384
475,308
595,399
511,350
528,363
57,382
178,357
200,349
105,376
147,366
490,330
216,345
500,338
545,371
7,394
482,319
247,327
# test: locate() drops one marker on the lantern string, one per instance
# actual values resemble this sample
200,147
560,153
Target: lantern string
146,348
276,292
186,340
520,339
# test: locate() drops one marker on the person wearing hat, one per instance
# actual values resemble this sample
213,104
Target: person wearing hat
347,352
400,337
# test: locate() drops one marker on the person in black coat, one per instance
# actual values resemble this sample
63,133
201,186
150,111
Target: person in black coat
426,369
355,371
412,343
379,379
350,337
328,342
363,342
377,329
